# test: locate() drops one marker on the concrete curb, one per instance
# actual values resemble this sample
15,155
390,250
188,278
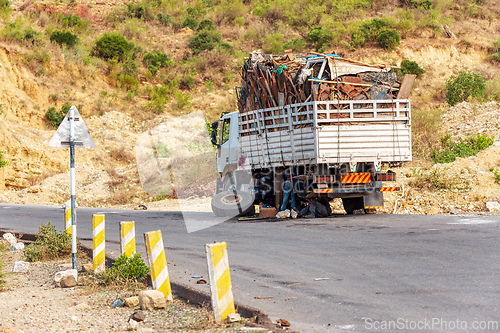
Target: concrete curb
182,290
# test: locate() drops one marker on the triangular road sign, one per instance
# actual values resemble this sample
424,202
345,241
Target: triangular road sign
82,136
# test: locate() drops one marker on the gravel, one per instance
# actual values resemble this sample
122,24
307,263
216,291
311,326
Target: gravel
30,302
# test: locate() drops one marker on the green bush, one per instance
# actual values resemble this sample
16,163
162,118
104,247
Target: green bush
49,244
164,19
5,8
159,96
463,148
495,55
54,117
496,174
64,37
124,270
205,40
320,37
273,43
112,45
3,163
140,10
157,59
188,82
358,38
189,22
388,39
68,21
181,100
409,67
127,81
466,84
206,24
153,70
296,44
130,68
16,31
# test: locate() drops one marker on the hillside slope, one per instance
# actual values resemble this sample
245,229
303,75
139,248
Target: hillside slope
36,77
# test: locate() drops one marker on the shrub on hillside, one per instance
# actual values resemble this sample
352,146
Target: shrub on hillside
157,58
140,10
462,148
64,37
17,31
70,20
205,40
296,44
206,24
409,67
495,55
130,68
464,86
320,37
5,9
273,43
388,39
164,19
3,163
54,118
112,45
189,22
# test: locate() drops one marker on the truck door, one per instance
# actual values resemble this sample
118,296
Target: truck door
225,144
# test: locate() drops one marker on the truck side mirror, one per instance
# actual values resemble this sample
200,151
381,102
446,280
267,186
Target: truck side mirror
213,133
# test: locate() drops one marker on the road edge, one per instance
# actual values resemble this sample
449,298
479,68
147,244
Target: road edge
184,291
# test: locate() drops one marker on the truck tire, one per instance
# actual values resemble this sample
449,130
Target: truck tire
352,204
232,203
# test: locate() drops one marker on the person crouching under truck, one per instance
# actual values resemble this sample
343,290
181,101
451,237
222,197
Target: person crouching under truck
289,194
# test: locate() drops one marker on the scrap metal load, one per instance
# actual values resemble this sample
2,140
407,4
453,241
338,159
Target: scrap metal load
275,81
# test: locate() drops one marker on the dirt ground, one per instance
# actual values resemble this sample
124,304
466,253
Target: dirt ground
29,302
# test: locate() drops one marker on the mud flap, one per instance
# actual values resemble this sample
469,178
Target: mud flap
374,200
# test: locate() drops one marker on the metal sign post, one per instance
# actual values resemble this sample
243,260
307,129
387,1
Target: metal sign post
72,180
72,133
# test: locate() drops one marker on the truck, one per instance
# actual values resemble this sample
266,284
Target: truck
336,148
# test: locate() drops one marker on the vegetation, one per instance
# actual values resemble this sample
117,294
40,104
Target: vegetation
463,148
496,174
54,118
207,39
409,67
64,37
50,244
126,270
161,150
495,54
438,180
112,45
388,39
464,86
3,163
5,9
3,248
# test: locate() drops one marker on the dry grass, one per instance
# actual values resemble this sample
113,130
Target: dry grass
123,154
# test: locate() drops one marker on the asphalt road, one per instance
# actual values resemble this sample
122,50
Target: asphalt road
344,273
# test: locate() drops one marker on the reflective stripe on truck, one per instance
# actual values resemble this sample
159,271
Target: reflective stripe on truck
390,189
356,178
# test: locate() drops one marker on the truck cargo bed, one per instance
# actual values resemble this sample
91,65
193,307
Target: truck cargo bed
327,132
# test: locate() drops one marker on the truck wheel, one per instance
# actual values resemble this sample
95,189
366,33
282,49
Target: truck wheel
352,204
232,203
